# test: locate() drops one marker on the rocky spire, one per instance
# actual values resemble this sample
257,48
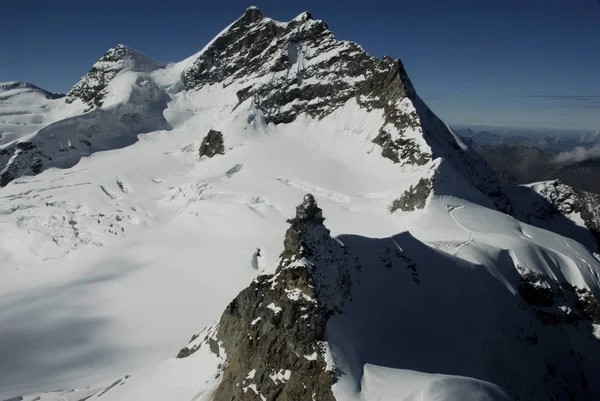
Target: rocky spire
272,335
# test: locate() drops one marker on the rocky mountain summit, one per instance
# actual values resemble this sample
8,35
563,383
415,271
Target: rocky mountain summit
91,87
271,337
287,69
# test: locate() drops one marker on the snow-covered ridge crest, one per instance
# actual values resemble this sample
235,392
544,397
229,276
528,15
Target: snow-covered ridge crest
21,86
25,108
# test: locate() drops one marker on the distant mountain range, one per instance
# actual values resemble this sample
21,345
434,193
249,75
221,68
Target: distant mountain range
553,139
573,158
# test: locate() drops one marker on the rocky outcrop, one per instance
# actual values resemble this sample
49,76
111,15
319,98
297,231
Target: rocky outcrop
21,158
414,197
586,303
212,144
385,89
564,200
557,303
90,88
273,332
534,290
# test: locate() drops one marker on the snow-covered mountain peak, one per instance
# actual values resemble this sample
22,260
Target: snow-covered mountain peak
287,70
283,71
91,87
297,67
118,99
303,17
251,15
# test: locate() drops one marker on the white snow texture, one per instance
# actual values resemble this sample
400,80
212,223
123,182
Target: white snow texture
122,248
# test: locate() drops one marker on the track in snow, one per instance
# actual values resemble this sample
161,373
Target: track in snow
318,192
451,209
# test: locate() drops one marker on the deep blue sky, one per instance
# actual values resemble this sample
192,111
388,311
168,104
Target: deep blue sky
529,63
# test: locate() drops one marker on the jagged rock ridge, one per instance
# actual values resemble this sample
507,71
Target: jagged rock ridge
273,332
299,67
212,144
565,200
413,198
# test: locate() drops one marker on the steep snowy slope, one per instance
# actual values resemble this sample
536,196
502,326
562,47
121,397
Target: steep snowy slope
422,289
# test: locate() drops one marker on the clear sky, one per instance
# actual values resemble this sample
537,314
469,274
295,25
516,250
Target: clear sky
531,63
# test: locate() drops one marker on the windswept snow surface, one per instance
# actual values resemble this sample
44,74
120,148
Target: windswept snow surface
107,267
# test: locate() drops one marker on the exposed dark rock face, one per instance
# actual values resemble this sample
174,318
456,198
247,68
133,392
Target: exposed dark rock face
414,198
564,200
384,89
534,290
90,89
309,72
585,302
299,67
273,332
557,304
19,159
212,144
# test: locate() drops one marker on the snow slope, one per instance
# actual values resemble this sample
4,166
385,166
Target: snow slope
116,252
25,108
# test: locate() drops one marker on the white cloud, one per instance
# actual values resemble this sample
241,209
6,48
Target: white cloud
578,154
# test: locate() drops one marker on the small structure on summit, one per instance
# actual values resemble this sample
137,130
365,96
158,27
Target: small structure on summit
307,211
